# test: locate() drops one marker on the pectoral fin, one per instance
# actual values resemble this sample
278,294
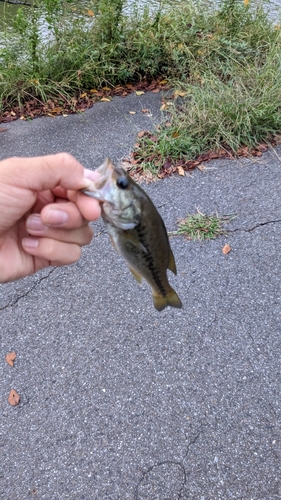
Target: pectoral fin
172,263
133,238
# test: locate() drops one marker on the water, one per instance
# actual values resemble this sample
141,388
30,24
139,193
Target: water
8,11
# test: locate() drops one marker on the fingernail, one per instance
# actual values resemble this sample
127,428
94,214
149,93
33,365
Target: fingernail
30,243
34,223
56,217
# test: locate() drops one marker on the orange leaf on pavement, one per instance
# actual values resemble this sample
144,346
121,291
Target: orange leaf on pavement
10,358
226,249
180,171
14,398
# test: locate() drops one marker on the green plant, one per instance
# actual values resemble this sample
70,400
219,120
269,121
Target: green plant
201,226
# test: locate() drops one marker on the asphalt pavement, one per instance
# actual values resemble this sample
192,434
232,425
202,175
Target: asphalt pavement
119,401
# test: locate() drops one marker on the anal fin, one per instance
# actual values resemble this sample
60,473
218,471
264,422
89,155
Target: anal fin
172,263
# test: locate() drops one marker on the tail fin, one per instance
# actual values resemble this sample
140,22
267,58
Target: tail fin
171,299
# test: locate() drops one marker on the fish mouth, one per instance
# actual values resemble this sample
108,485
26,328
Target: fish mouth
100,189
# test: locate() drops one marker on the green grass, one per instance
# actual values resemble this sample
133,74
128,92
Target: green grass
201,226
226,61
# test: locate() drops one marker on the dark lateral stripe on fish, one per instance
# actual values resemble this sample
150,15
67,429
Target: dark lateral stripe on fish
149,259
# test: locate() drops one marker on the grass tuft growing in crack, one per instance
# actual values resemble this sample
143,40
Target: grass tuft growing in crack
201,226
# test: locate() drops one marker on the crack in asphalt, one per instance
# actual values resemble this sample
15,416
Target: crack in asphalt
254,227
170,462
38,282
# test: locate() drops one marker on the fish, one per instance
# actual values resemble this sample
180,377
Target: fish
136,230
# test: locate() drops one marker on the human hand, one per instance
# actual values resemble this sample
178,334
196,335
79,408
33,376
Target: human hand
43,215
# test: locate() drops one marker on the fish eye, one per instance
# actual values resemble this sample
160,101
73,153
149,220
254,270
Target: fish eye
122,182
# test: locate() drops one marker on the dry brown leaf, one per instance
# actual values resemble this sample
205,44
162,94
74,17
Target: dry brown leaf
132,112
145,110
106,88
163,107
175,134
50,114
141,134
93,91
10,358
83,95
180,171
14,398
201,167
179,93
3,129
13,113
105,99
163,82
90,13
139,92
226,249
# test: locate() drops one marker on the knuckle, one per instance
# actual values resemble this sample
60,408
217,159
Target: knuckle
65,158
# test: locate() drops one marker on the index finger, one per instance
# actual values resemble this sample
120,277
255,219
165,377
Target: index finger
45,172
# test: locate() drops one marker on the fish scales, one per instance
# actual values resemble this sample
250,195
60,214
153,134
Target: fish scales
137,231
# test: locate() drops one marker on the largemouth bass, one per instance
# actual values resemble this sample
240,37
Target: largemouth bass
136,230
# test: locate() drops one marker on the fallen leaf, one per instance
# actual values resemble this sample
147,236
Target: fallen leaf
163,107
132,112
175,134
83,95
105,99
139,92
56,110
155,91
163,82
3,129
201,167
22,118
90,13
180,171
226,249
168,124
93,91
10,358
179,93
13,398
64,114
145,110
106,88
50,114
246,2
141,134
13,113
